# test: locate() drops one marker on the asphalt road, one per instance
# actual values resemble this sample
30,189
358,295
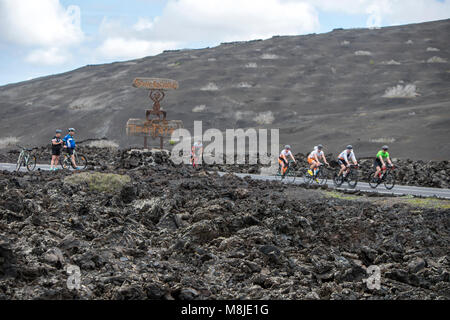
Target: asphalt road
362,186
12,167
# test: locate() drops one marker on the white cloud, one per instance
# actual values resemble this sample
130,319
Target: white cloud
51,56
184,22
218,20
121,48
109,27
119,41
388,12
404,12
39,23
44,27
50,31
144,24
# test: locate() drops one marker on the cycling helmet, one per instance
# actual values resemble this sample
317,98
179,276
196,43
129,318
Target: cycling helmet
349,147
320,147
287,146
58,131
71,130
385,148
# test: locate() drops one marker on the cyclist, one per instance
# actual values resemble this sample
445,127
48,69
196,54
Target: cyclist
69,145
313,158
283,158
380,160
343,160
196,152
56,149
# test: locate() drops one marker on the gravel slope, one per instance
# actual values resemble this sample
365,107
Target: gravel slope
318,88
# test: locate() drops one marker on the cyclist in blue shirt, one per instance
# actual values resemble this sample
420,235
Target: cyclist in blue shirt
69,145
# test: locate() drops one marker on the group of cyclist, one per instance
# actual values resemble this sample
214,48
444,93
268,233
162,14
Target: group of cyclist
317,155
67,143
314,159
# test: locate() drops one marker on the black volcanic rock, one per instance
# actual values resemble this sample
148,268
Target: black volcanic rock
7,260
178,233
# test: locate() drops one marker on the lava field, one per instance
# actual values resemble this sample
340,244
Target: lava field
171,232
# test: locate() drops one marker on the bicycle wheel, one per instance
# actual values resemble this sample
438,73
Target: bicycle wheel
279,175
373,182
31,164
65,162
61,161
291,175
82,161
19,163
389,181
338,180
322,176
352,179
307,178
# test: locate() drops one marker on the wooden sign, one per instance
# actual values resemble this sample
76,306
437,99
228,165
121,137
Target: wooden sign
153,128
155,83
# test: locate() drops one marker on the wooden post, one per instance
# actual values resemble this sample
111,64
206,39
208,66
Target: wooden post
145,143
161,142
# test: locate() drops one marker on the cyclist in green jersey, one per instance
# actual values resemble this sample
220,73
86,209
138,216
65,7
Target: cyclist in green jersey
381,159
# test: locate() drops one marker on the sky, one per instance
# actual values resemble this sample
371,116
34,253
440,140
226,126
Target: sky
43,37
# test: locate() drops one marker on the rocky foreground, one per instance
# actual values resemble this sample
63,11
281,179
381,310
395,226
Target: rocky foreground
165,232
408,172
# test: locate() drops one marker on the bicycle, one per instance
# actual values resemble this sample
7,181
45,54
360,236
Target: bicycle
80,160
26,159
320,176
194,160
386,176
289,173
351,178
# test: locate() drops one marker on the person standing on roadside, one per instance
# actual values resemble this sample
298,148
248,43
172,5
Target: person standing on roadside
57,144
69,145
197,153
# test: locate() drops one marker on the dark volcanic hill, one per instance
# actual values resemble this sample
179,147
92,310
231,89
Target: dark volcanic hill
327,88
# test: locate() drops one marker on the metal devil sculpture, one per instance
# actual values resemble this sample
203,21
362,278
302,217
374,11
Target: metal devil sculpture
155,124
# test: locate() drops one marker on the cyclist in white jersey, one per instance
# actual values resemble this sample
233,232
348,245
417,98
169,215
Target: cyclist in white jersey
345,157
283,158
314,156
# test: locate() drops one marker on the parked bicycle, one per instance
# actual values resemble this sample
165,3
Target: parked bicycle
289,173
320,176
386,176
80,160
351,178
26,159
